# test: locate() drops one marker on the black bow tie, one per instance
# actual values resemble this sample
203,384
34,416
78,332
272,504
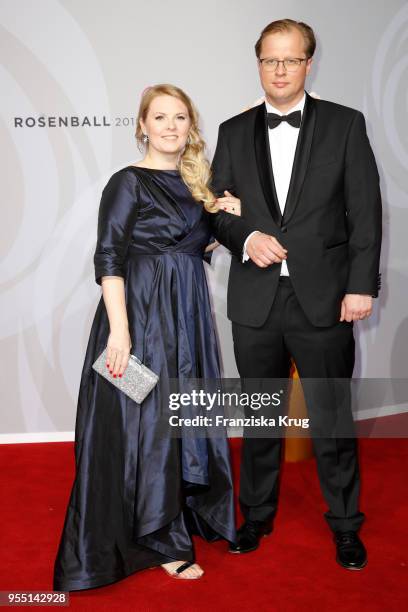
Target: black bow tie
294,119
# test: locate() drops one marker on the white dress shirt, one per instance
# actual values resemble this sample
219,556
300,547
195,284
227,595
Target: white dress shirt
282,144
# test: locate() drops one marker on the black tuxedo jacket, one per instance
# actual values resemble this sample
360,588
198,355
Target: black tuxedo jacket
331,224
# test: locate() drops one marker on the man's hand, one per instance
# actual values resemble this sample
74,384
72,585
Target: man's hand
265,250
355,307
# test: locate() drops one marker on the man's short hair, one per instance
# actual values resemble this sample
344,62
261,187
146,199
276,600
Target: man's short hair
285,25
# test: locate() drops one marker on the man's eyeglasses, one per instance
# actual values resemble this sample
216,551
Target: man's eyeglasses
290,65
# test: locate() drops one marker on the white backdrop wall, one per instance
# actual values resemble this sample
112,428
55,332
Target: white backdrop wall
79,59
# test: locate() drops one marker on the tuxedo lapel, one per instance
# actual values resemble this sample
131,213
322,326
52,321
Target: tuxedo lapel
264,163
301,158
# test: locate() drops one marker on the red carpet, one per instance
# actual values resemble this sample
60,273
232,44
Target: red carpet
294,569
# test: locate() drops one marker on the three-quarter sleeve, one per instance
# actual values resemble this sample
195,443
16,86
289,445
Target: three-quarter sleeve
116,219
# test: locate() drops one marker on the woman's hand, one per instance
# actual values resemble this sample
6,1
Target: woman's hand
229,203
119,342
118,351
212,246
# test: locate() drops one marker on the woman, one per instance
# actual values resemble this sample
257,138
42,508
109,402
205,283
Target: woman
138,495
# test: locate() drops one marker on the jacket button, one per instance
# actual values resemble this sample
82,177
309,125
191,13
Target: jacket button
284,229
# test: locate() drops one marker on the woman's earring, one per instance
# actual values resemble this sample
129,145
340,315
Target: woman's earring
145,138
189,139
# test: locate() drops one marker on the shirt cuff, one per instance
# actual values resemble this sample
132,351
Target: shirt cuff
245,255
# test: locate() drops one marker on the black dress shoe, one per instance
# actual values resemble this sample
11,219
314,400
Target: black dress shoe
249,535
351,552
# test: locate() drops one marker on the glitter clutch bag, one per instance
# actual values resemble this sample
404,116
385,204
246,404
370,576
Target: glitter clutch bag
137,380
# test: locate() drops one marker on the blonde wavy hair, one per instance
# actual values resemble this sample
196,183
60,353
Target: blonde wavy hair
193,164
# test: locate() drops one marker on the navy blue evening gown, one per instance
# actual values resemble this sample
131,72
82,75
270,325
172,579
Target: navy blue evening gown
138,495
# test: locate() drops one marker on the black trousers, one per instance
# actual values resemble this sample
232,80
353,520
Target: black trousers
319,353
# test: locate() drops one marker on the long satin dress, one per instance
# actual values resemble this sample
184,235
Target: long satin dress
139,495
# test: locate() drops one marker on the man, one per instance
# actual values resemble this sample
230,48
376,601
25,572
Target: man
305,259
